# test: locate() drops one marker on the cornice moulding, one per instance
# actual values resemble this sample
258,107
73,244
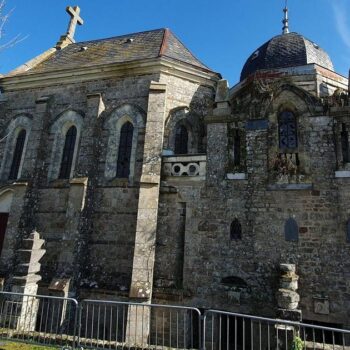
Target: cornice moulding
85,74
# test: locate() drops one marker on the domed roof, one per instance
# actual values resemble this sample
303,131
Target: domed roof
286,50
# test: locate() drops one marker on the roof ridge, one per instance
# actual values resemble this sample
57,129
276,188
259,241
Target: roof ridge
119,36
154,43
164,43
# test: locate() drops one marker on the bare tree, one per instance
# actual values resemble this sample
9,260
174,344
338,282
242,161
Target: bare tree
4,16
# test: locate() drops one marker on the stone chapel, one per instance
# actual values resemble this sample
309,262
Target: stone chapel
149,179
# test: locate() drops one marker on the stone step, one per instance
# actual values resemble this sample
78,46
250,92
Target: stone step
28,268
30,256
32,244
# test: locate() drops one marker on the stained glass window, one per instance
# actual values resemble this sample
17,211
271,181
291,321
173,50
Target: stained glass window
288,136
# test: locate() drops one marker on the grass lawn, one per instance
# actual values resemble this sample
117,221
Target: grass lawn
4,345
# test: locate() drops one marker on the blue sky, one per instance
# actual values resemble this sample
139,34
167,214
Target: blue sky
222,33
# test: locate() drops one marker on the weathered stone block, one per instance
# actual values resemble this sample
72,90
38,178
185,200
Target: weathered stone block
287,299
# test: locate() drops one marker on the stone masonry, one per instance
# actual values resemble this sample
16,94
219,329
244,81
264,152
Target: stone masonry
262,178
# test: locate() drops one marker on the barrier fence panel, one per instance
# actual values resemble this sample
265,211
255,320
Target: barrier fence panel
38,319
124,325
231,331
116,325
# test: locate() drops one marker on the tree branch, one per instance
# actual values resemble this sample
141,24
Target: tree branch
4,17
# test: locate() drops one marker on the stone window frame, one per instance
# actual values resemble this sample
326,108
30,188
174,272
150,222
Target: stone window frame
113,124
287,163
59,129
180,117
124,149
19,123
235,129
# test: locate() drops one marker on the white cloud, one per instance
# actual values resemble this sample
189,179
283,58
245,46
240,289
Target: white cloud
343,26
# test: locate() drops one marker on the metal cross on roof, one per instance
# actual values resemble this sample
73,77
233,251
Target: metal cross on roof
75,19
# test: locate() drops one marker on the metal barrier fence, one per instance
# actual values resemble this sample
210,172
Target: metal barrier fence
38,319
125,325
231,331
116,325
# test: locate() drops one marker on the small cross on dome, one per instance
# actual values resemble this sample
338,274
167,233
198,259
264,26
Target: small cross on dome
285,29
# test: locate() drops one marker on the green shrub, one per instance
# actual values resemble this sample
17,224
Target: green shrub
297,343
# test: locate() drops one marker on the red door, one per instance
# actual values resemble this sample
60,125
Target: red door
3,224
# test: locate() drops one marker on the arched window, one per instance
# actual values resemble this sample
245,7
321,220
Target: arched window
235,230
291,230
181,140
287,128
17,155
68,153
124,153
345,143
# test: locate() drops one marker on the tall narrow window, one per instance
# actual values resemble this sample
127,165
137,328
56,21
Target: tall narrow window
124,153
68,153
236,230
181,140
17,155
287,127
345,144
237,148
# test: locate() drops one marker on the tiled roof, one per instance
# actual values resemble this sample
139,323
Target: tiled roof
120,49
286,50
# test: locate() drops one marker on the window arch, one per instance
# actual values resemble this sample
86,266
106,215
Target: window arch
124,152
65,132
68,153
181,140
180,124
236,230
131,119
287,130
12,152
17,155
